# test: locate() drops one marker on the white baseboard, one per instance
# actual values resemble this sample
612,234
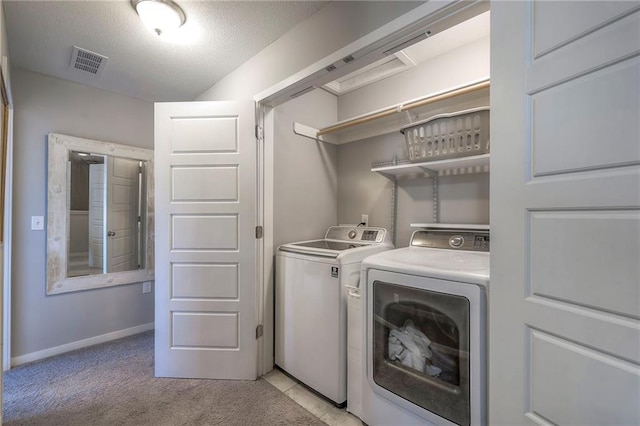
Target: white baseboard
57,350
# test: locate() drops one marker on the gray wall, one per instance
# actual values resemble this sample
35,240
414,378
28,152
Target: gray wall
305,171
457,67
326,31
46,104
463,198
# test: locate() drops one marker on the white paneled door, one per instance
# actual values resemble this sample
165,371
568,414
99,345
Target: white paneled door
205,241
565,213
123,200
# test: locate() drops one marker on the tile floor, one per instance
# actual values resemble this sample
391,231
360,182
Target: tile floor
319,407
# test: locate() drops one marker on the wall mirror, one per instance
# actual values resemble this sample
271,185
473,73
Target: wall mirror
99,214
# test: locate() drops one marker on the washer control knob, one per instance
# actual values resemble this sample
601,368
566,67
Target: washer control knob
456,241
352,234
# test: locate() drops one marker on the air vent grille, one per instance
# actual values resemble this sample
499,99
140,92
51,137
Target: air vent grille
385,67
87,61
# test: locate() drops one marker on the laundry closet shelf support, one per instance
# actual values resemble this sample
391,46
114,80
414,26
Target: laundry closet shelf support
311,133
388,119
409,105
452,166
432,169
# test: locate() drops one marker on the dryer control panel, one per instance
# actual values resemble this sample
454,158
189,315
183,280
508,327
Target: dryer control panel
456,239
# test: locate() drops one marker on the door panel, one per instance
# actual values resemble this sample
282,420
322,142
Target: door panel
221,330
206,283
587,375
586,190
614,43
604,276
571,133
194,134
193,280
185,183
609,333
570,20
205,232
565,222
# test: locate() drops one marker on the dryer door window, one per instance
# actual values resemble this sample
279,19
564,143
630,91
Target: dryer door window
421,348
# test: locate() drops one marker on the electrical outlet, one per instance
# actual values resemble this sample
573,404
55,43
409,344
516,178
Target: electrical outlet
146,287
365,219
37,223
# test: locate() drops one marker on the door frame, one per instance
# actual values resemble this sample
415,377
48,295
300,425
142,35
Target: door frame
5,318
367,49
265,297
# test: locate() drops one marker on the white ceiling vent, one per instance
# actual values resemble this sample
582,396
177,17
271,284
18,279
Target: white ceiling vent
385,67
87,61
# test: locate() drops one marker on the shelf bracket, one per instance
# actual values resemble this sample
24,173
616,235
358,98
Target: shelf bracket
430,173
389,176
311,133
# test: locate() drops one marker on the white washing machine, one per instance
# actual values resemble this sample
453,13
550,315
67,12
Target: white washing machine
311,304
424,324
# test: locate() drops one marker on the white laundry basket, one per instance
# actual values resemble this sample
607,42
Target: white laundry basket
443,136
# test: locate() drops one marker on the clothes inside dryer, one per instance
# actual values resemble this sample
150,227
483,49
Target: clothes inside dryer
421,343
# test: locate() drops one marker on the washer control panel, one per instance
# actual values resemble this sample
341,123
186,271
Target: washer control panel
456,239
353,233
370,235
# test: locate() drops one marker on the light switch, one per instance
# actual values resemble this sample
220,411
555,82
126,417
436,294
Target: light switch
146,287
37,223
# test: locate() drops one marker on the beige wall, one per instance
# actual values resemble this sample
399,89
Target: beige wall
46,104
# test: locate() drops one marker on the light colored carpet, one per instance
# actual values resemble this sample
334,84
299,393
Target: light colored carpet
113,384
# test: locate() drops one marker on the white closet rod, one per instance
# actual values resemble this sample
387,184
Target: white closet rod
401,108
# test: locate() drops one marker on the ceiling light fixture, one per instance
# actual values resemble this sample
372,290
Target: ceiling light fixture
159,16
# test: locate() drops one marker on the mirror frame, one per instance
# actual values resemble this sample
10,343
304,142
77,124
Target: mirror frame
59,147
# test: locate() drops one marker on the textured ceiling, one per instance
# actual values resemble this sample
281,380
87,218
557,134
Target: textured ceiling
217,37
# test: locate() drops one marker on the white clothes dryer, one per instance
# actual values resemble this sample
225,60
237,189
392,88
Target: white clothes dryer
424,324
311,304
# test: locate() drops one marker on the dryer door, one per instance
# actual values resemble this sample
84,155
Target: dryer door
425,346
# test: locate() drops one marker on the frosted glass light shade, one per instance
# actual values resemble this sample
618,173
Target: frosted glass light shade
159,15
